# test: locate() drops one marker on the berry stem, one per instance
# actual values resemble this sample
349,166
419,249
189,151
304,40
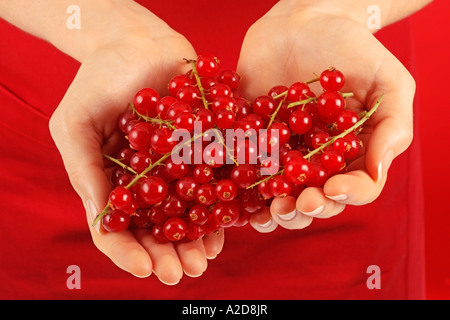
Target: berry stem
118,162
154,120
317,78
331,141
272,118
198,81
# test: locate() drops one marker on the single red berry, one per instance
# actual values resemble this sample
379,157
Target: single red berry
157,215
116,221
225,214
154,190
161,140
230,78
319,138
145,102
226,190
141,160
177,108
190,95
300,121
174,205
198,214
175,229
206,117
176,170
220,89
355,144
280,186
297,170
244,175
264,189
178,82
299,91
202,173
205,194
330,104
284,134
264,106
225,118
186,188
277,90
332,80
120,198
139,136
346,120
318,175
184,120
332,161
207,65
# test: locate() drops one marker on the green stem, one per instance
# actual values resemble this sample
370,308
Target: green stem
154,120
118,162
198,81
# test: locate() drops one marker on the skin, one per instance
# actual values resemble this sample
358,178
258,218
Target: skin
123,47
289,44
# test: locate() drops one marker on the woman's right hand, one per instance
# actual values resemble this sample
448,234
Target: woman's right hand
139,51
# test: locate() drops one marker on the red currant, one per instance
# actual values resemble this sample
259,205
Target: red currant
154,190
175,229
332,80
116,221
145,102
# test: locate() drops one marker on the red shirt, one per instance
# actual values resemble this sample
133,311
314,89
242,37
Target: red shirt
43,226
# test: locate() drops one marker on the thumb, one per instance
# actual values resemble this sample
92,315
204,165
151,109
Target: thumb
393,129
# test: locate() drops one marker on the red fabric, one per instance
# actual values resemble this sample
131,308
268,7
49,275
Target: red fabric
43,226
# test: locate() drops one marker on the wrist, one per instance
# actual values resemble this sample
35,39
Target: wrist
359,11
107,23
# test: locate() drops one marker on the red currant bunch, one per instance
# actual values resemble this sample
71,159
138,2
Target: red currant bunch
203,157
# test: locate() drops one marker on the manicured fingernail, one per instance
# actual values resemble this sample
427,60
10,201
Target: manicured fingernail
142,277
384,165
92,212
288,216
339,197
316,212
268,226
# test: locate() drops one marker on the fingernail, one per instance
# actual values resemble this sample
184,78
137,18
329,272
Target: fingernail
316,212
288,216
339,197
384,165
92,212
142,277
268,226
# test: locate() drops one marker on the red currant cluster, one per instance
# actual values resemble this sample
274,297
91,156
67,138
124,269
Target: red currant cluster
300,139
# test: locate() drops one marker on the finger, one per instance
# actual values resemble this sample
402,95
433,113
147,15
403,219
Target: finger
313,202
192,256
284,212
354,187
213,243
122,248
262,221
166,263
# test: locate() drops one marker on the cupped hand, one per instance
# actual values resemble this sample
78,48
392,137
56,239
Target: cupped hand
85,125
290,44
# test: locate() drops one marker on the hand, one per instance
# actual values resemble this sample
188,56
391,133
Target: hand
85,125
288,45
